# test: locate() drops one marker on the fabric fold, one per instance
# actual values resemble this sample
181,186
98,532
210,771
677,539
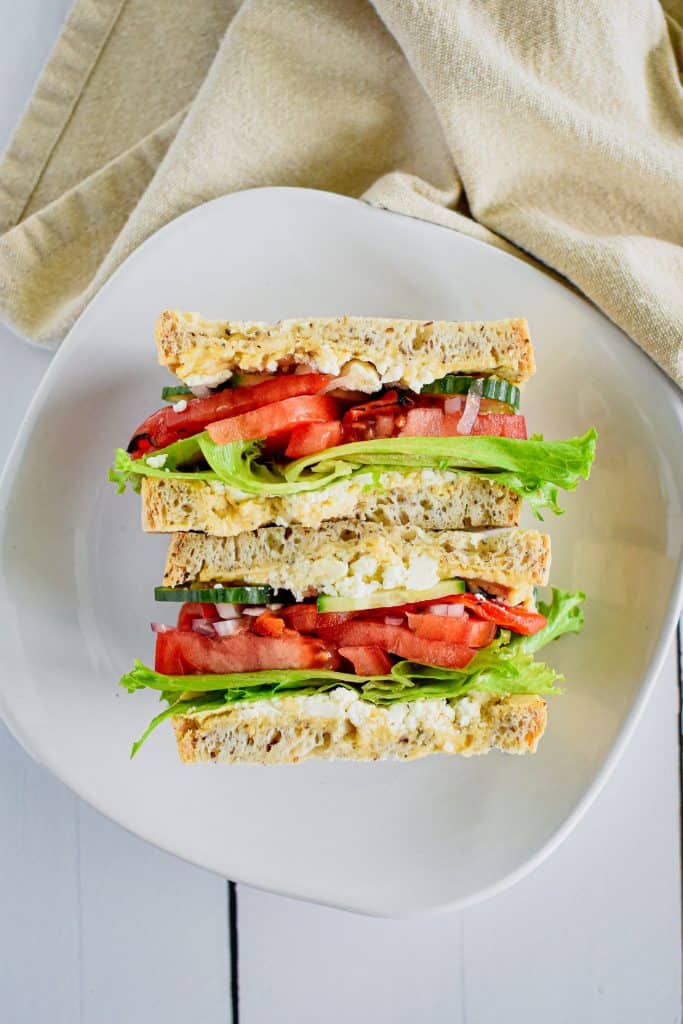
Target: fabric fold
550,129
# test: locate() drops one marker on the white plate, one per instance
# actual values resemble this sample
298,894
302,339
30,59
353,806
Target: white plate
77,573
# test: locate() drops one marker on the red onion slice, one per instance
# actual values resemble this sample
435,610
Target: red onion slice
471,406
200,391
229,611
452,610
253,611
203,627
228,627
453,404
160,627
393,620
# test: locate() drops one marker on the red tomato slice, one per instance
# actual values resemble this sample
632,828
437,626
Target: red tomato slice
273,419
432,422
166,426
518,619
313,437
461,630
367,661
186,653
306,619
195,610
398,640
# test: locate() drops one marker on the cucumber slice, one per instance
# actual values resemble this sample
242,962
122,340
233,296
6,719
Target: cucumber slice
499,390
390,598
223,595
175,392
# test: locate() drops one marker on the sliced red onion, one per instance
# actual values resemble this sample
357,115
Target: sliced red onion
229,611
453,404
203,627
160,627
200,391
253,611
471,406
452,610
274,607
228,627
393,620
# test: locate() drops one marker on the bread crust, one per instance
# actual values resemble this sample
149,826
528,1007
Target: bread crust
292,729
307,561
409,353
424,498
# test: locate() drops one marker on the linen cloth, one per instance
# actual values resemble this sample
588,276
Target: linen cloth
550,127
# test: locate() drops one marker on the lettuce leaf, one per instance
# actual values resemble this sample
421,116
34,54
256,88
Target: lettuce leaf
181,456
506,666
534,469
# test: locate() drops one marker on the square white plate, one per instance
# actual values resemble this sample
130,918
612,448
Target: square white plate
76,591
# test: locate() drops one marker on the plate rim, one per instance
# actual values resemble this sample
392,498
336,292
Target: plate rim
667,624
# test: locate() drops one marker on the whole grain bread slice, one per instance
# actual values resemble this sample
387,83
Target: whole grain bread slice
369,350
327,560
426,498
340,725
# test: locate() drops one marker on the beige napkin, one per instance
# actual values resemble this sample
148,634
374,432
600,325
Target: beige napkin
554,126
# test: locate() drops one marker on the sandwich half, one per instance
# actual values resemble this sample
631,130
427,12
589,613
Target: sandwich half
302,422
355,641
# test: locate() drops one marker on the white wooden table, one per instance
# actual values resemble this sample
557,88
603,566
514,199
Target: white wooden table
98,927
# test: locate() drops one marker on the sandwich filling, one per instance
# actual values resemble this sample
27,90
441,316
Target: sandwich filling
287,433
236,644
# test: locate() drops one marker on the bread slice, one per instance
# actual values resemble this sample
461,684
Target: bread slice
426,498
370,351
340,725
348,558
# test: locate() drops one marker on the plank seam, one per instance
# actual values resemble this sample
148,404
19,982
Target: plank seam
234,953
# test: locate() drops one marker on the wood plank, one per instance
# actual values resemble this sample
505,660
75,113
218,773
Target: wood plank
95,924
40,938
306,963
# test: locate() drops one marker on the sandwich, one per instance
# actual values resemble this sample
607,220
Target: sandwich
344,497
306,421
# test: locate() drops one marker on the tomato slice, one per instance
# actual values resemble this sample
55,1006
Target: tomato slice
273,419
367,661
165,425
180,652
305,618
196,610
397,640
462,630
313,437
433,422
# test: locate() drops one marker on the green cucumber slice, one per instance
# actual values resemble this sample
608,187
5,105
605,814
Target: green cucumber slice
175,392
390,598
499,390
212,594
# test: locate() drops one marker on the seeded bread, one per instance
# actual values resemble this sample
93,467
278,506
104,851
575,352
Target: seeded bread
339,725
343,557
424,498
370,351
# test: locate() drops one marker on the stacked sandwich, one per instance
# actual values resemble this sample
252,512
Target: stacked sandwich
344,497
